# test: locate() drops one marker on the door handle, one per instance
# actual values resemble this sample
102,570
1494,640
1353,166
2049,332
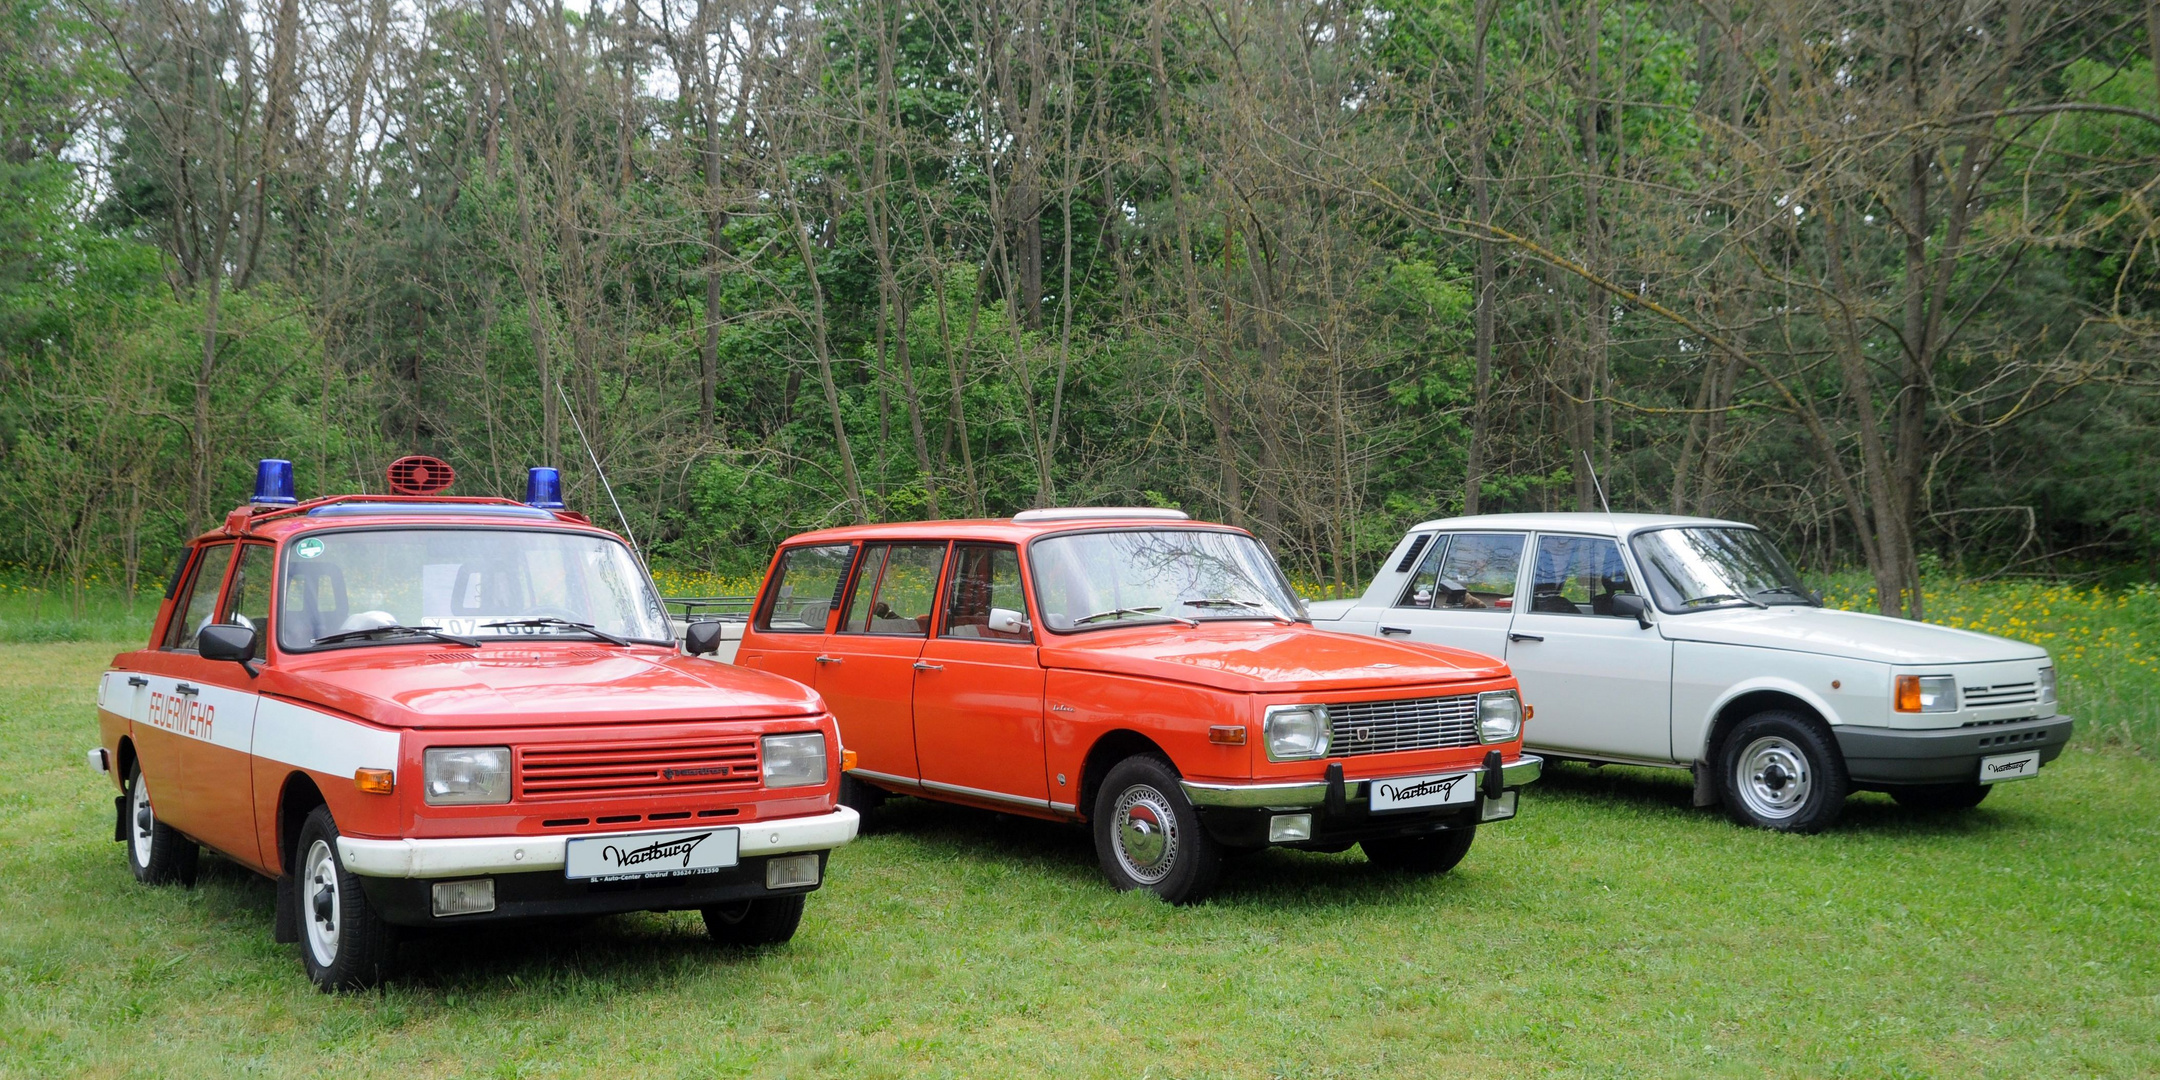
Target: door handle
137,680
1513,636
925,665
184,688
1393,631
828,659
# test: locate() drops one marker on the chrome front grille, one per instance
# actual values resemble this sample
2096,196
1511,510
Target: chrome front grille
1385,727
2009,693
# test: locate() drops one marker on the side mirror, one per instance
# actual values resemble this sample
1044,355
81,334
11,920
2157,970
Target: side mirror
701,638
1632,606
1007,621
224,641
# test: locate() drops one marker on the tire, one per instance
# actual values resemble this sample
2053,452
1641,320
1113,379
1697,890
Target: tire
1422,855
157,853
1941,798
859,796
344,945
752,923
1148,836
1779,770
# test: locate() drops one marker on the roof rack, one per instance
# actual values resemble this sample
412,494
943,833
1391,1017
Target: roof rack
244,518
1093,513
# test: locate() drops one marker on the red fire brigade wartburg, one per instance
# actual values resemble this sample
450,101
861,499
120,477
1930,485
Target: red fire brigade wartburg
419,711
1152,676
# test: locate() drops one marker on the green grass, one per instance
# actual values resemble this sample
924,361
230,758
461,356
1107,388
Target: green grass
1612,931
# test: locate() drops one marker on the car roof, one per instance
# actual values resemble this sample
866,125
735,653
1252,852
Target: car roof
1594,523
277,523
1005,530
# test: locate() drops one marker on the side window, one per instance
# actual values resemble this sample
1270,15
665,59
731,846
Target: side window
984,599
895,590
1577,575
1425,584
247,601
199,599
1478,572
804,589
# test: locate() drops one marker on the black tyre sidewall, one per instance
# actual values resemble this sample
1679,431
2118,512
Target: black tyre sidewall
1435,854
172,858
1831,783
1199,860
770,920
366,944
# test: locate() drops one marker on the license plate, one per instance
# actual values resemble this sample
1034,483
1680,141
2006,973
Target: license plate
1419,792
651,854
1994,770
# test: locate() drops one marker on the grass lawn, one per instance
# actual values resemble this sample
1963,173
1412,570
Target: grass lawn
1609,932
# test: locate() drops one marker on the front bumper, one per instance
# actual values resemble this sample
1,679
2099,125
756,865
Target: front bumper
465,856
544,895
1892,757
1239,815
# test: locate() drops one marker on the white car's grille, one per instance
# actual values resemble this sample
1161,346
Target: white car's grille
2009,693
1386,727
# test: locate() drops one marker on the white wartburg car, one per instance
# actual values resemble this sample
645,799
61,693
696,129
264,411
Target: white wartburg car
1690,643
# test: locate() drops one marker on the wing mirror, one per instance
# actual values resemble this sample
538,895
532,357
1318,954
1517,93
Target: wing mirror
701,638
224,641
1007,621
1632,605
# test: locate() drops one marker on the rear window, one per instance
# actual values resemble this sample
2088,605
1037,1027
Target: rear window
805,588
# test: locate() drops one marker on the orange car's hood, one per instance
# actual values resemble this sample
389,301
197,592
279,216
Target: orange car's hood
1253,657
528,685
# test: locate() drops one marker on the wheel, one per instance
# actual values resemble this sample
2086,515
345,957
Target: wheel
1933,798
748,923
344,945
859,796
1435,854
157,853
1780,771
1148,836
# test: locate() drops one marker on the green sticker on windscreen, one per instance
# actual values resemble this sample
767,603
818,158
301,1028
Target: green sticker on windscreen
308,548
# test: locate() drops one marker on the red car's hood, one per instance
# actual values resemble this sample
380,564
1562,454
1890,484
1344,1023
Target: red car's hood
529,684
1254,656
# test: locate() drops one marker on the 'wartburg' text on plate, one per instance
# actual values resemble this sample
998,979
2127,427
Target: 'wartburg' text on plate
651,854
1415,792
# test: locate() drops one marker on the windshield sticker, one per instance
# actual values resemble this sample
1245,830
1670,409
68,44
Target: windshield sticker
308,548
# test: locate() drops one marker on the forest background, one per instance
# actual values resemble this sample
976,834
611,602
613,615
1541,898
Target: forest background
1881,276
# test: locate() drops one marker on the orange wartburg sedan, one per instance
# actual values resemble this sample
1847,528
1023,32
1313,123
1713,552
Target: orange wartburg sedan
1149,675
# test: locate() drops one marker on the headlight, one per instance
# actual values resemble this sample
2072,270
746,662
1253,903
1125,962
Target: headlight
1499,715
795,760
1926,693
467,775
2047,685
1296,732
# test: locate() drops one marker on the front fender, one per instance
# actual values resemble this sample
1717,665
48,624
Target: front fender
1838,689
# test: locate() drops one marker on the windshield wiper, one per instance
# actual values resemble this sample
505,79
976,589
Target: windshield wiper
1249,605
550,620
393,628
1723,597
1787,590
1154,612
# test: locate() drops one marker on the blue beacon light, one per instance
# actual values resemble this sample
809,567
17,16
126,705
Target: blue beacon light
543,488
274,483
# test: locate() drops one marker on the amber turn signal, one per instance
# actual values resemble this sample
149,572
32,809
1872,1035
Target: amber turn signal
1908,693
847,760
1227,734
1529,712
375,781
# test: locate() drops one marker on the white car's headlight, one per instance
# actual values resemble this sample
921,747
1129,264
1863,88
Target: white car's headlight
1296,732
795,760
2047,685
1926,693
466,775
1499,715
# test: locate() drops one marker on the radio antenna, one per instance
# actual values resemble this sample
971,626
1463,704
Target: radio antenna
597,470
1585,460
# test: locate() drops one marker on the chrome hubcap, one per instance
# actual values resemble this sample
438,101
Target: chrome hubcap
1773,777
144,821
1145,829
319,903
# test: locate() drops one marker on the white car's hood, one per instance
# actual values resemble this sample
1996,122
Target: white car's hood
1845,633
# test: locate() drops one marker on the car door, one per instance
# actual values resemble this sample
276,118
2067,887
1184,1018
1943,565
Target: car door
866,672
1601,683
979,687
1462,594
790,626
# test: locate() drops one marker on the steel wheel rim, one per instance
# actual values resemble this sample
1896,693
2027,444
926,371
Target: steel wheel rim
142,822
320,905
1773,777
1144,831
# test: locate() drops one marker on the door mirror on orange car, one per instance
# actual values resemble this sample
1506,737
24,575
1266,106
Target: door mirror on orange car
1632,606
1007,621
224,641
701,638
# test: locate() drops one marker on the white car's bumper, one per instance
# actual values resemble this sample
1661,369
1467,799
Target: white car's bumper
461,856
